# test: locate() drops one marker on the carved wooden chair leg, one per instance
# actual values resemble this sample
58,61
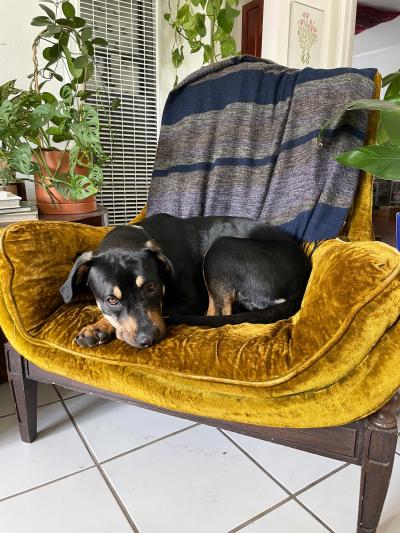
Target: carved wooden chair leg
24,393
377,464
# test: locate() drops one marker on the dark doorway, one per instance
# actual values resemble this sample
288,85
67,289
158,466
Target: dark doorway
252,22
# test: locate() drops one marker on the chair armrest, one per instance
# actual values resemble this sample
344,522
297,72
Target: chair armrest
36,258
352,298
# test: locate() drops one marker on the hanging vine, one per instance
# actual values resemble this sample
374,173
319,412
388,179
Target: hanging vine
206,25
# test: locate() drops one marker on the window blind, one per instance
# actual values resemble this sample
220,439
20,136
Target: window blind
126,69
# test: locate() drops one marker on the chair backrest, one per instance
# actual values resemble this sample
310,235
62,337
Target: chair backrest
239,138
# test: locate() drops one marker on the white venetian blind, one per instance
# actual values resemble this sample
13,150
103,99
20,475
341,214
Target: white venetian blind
126,69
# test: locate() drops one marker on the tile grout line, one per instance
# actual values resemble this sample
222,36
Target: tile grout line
260,515
46,483
149,443
319,480
100,469
290,493
44,404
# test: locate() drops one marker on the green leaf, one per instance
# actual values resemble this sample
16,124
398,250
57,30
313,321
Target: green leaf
167,16
83,95
96,176
49,98
21,159
65,22
76,73
52,53
115,103
381,135
64,38
177,57
40,21
203,3
390,78
393,89
219,35
200,24
86,34
68,9
81,62
49,11
98,41
381,161
195,47
182,15
207,54
66,93
52,30
226,19
228,46
62,138
54,131
210,9
78,22
391,122
42,114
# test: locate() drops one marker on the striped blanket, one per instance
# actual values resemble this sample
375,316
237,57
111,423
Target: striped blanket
239,138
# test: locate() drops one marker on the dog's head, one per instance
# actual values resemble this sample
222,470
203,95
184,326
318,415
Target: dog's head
128,283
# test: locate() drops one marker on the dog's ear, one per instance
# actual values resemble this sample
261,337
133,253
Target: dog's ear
154,248
77,278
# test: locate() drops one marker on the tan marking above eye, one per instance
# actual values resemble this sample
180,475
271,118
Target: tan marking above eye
140,281
117,292
152,246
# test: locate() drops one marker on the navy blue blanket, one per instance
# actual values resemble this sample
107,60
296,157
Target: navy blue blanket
239,138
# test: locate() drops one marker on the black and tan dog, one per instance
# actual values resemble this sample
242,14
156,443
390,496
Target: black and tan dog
232,269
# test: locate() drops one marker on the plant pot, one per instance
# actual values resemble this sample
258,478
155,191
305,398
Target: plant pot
58,205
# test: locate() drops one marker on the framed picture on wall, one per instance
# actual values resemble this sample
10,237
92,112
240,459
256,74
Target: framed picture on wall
309,33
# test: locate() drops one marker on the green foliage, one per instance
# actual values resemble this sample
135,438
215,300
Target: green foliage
190,21
383,158
36,120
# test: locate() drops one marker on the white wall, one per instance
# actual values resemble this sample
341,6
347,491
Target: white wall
16,37
379,47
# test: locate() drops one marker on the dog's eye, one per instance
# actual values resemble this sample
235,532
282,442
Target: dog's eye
112,300
151,287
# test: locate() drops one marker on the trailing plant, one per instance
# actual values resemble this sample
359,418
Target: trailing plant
381,159
190,19
66,42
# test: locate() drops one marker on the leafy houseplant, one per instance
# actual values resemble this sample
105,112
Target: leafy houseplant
34,122
190,19
381,159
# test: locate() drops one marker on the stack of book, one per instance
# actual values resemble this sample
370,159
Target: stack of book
12,209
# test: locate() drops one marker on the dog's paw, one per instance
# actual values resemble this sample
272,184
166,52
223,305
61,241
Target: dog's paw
94,335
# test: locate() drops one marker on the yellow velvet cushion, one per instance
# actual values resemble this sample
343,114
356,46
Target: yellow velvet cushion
334,361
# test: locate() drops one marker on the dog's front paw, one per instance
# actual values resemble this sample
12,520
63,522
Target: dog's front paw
95,334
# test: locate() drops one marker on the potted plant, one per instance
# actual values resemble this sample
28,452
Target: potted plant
58,140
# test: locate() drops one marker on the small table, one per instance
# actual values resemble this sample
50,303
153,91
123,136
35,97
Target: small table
95,218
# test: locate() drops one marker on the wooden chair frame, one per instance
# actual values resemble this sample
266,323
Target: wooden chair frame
369,443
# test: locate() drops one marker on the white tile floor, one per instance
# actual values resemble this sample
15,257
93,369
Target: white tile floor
100,466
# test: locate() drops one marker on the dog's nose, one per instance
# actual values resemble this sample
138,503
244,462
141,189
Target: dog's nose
143,340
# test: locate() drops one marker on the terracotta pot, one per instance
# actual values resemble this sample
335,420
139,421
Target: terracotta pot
58,205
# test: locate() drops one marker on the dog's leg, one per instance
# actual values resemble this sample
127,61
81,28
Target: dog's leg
95,334
220,302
